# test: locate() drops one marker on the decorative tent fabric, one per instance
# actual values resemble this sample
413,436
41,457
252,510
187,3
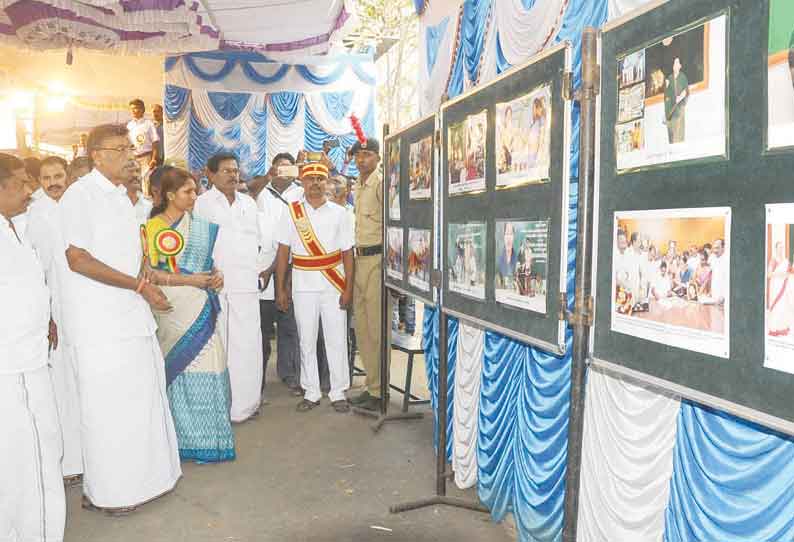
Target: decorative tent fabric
655,468
283,109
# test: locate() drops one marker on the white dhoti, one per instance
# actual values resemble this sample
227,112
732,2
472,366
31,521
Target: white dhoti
130,450
67,398
32,502
309,308
242,337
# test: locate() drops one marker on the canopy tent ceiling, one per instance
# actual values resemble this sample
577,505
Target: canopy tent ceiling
277,28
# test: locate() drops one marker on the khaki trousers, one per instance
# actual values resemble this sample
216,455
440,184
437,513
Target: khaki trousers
366,305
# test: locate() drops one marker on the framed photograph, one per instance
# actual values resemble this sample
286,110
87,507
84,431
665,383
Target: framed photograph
780,61
522,249
523,131
420,172
466,255
419,258
466,154
779,287
671,277
393,175
394,255
672,98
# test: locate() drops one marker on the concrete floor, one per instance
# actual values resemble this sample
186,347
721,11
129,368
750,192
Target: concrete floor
317,476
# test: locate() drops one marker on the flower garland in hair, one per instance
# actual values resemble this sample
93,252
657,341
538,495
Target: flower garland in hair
358,130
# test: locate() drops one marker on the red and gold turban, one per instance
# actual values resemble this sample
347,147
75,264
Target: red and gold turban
314,168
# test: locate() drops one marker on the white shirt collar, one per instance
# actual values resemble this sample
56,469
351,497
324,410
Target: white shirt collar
102,182
221,196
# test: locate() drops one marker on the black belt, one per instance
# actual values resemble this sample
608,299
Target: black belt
368,251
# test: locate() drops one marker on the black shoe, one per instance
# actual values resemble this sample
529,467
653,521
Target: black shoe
373,404
360,399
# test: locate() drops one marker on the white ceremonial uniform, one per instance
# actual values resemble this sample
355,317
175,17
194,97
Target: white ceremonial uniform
32,501
129,444
238,257
44,234
272,211
315,299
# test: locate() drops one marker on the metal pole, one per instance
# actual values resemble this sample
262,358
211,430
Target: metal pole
441,457
581,319
385,320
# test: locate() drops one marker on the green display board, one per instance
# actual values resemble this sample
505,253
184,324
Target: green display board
504,187
682,172
409,240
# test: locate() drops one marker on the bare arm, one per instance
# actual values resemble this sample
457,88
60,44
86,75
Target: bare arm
282,264
82,262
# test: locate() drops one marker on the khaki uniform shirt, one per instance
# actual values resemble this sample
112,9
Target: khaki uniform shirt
369,210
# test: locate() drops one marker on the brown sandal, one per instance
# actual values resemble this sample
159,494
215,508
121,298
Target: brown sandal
341,406
112,512
306,405
72,481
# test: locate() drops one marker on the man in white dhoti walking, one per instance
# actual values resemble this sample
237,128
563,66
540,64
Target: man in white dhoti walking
237,255
129,444
32,503
44,234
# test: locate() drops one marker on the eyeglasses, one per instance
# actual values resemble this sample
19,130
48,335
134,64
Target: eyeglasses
229,171
129,150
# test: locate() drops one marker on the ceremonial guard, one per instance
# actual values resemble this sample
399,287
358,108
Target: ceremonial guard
368,253
317,233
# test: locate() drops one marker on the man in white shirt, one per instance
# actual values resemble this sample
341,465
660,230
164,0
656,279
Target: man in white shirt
44,234
237,255
32,502
143,135
719,272
626,267
272,202
18,168
141,204
129,444
661,285
320,240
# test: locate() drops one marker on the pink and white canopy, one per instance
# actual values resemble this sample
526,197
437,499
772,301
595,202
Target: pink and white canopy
277,28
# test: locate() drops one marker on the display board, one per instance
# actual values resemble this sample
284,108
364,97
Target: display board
693,280
504,185
409,207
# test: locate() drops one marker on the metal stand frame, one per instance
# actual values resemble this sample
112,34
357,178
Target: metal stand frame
385,346
442,474
582,318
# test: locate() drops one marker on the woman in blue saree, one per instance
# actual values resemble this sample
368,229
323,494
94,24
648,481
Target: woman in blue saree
178,249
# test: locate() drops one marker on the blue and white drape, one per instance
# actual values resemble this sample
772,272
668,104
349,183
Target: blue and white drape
655,467
274,108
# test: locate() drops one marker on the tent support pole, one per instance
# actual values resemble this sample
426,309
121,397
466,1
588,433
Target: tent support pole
581,319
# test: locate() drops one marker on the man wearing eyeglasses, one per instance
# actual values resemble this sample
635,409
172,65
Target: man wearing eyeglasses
130,450
237,255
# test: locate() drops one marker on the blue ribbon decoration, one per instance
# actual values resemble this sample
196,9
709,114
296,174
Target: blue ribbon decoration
221,74
229,105
433,37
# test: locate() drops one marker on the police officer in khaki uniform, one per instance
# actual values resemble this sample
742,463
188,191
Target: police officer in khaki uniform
368,281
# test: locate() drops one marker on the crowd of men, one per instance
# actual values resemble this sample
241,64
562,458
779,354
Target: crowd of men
82,384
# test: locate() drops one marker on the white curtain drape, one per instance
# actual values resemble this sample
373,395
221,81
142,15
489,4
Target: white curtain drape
359,105
433,80
524,32
627,461
289,138
468,375
618,8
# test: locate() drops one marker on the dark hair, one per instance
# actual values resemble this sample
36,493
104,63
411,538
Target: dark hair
54,160
171,180
663,265
622,232
138,102
81,161
283,156
10,162
215,160
32,166
155,179
634,237
99,134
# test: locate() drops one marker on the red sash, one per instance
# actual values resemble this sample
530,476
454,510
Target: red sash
318,259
